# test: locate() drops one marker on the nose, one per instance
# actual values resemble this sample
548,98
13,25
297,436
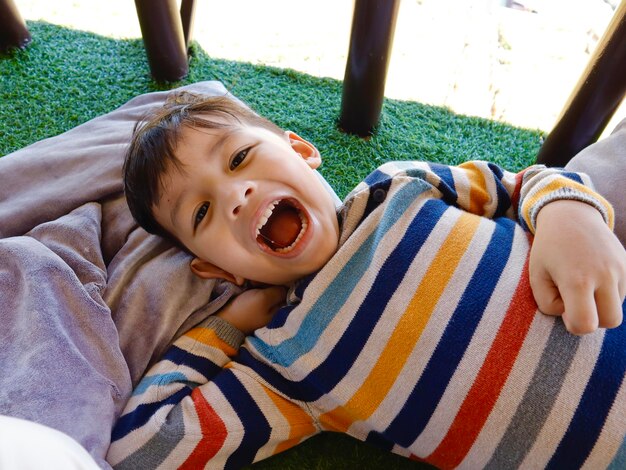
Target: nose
241,195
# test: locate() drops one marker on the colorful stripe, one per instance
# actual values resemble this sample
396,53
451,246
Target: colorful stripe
424,398
213,432
409,329
420,336
335,296
595,403
538,399
490,380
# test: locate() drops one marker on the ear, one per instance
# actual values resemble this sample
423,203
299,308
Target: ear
207,270
305,149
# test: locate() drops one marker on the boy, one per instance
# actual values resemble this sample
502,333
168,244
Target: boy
411,322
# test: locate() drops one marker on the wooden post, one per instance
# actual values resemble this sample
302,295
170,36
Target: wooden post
163,38
373,27
13,31
595,98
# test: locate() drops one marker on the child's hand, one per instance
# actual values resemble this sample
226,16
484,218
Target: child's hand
577,267
254,308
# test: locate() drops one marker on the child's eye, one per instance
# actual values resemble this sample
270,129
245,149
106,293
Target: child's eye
239,158
202,211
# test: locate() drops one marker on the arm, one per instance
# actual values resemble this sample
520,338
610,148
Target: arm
197,405
577,266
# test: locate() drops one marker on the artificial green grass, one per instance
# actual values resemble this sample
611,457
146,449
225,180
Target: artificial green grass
66,77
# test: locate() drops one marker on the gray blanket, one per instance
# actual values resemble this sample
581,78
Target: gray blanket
89,300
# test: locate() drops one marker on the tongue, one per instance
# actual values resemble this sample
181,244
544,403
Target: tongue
283,226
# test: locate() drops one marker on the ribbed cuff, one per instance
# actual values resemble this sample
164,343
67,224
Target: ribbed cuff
225,331
570,194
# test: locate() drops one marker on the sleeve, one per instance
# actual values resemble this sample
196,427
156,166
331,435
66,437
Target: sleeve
196,407
486,189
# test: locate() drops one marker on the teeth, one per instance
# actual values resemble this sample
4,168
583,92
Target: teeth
265,217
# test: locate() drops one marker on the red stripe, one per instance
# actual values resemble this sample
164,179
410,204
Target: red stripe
213,431
491,378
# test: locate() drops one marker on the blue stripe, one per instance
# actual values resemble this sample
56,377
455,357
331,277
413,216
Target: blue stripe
595,404
322,379
337,293
504,198
159,379
446,184
271,376
255,426
376,177
573,176
280,317
326,376
427,393
142,414
201,364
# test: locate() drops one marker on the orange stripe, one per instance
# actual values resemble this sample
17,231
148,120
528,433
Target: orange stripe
213,433
491,378
556,184
209,337
479,196
408,330
301,424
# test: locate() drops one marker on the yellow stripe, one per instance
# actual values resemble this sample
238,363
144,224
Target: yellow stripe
300,423
207,336
479,196
557,184
408,330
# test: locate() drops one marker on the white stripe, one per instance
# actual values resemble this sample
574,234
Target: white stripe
480,345
234,427
421,354
279,426
138,438
395,310
512,393
462,185
393,313
567,401
188,443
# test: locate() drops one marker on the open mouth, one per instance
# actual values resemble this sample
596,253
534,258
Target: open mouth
282,226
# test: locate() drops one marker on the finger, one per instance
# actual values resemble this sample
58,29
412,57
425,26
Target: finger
547,296
609,305
580,315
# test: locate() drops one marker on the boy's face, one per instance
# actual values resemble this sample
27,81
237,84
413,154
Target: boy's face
248,204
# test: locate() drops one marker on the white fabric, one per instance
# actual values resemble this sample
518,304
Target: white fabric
25,445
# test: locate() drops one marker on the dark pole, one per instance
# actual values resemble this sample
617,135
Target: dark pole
13,31
163,38
595,98
373,26
187,16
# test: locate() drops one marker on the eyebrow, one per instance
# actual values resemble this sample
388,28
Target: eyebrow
215,148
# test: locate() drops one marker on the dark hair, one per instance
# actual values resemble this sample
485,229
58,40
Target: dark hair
153,146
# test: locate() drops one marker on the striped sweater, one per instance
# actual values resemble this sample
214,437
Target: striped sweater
420,335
